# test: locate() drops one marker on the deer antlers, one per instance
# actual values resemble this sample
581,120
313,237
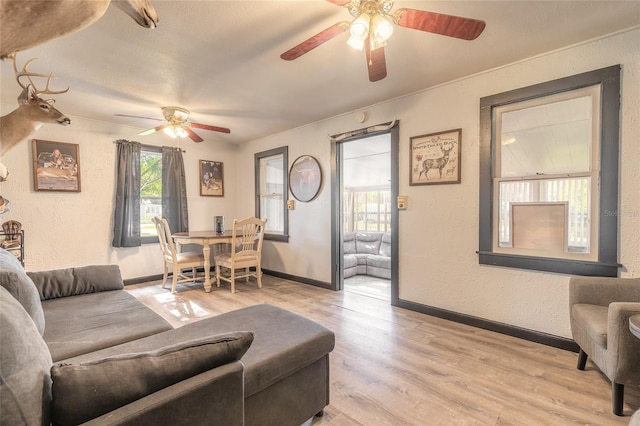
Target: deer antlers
28,75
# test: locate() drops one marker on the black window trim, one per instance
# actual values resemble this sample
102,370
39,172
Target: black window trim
607,264
284,150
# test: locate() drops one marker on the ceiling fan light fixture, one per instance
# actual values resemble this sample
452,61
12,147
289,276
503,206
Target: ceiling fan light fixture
180,132
382,28
360,26
373,24
359,30
175,131
170,132
356,43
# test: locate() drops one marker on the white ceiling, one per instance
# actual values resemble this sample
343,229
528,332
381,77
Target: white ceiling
220,59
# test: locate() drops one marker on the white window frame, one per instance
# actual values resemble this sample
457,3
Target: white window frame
538,181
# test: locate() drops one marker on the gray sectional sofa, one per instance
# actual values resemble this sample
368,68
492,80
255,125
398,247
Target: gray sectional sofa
76,348
367,253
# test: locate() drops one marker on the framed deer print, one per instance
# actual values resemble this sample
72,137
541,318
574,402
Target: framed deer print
56,166
435,158
211,178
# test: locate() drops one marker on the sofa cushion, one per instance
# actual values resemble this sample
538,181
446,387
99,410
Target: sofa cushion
592,319
379,261
25,385
385,245
19,285
349,243
82,392
350,261
74,281
88,322
367,243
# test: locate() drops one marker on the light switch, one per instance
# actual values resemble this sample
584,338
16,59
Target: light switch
402,202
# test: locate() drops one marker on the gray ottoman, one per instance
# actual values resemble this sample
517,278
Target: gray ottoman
286,374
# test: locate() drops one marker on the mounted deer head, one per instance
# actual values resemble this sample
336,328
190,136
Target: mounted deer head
32,111
25,24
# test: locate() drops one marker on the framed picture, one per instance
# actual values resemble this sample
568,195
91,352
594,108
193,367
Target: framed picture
305,178
211,178
56,166
435,158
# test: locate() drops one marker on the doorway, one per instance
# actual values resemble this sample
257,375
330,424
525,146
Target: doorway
365,215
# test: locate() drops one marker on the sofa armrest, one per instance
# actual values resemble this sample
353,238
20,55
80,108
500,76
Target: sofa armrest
623,348
74,281
214,397
603,290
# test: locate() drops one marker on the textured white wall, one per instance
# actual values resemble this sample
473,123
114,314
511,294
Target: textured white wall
64,229
439,230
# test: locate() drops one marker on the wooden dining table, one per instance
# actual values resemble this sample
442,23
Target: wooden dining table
205,239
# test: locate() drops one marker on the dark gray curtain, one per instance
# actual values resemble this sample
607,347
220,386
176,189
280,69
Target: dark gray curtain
174,190
126,217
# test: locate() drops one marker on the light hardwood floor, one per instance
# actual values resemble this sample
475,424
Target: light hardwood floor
392,366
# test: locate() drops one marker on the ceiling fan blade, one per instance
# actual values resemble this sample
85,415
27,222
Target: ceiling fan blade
194,137
315,41
376,63
212,128
438,23
137,116
153,130
339,2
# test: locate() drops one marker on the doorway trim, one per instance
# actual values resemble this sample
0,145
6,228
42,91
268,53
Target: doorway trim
337,252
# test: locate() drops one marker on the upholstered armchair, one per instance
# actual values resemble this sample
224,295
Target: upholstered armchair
600,309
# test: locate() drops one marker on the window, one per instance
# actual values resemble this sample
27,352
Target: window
150,181
367,210
272,192
548,175
150,192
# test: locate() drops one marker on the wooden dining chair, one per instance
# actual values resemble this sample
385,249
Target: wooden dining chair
246,252
174,260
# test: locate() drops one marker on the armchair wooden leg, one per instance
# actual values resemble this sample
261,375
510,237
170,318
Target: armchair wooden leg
582,359
617,398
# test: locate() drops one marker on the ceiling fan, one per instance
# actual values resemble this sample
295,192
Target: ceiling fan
371,29
177,124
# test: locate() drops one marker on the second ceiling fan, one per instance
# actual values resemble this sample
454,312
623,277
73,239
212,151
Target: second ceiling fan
371,29
177,124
